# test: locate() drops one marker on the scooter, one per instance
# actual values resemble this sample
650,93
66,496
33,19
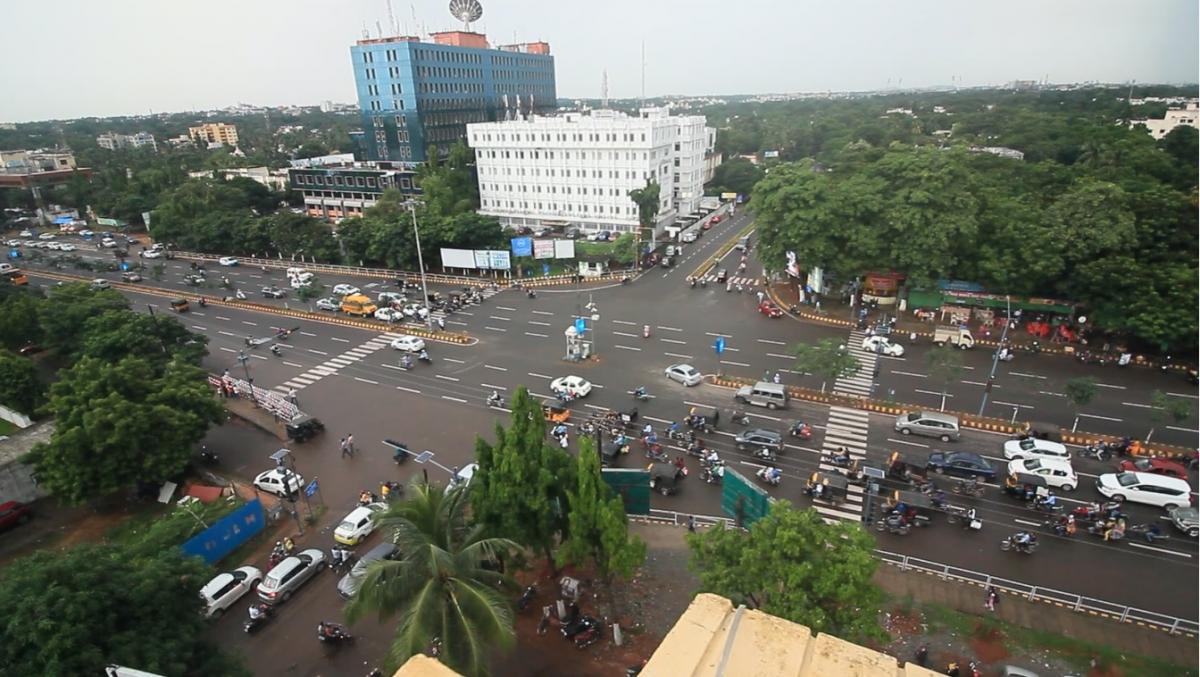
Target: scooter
764,474
495,402
1010,544
765,454
424,357
209,457
740,418
641,396
526,597
336,635
801,430
252,623
275,351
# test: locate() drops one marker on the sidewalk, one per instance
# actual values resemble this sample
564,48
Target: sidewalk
967,598
254,415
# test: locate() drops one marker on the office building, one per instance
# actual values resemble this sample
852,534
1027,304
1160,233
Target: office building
1174,118
28,168
577,170
114,141
414,94
214,134
336,191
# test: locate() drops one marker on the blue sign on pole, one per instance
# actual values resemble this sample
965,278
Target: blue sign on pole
522,246
580,325
545,269
719,345
311,489
124,265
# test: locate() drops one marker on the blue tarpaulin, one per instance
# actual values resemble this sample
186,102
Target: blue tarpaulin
231,531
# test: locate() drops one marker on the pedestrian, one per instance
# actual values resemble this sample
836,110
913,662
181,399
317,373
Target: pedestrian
760,296
692,523
992,598
350,443
384,490
292,397
777,379
345,449
922,658
562,441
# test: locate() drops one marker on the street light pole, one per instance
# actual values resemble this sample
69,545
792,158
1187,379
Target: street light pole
243,359
996,356
412,207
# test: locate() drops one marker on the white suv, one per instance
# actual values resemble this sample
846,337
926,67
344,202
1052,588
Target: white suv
1143,487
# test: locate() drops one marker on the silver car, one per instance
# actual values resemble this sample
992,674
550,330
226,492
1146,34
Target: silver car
348,586
685,374
289,575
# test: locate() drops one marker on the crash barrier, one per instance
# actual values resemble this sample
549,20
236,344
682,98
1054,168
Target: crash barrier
554,280
370,325
712,261
271,400
227,533
1033,593
966,420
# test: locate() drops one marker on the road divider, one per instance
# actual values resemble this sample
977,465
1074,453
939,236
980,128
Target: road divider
712,261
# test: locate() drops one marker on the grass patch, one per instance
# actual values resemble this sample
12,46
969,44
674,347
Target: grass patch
6,428
1020,640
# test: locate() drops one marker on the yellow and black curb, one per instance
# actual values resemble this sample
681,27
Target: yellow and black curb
984,423
370,325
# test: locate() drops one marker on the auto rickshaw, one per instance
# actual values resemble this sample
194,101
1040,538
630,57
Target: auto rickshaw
1024,486
179,305
303,428
555,413
916,508
828,487
664,478
611,451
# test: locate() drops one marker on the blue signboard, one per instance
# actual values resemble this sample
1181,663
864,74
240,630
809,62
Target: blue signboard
522,246
312,488
124,265
545,269
719,345
580,325
62,220
228,533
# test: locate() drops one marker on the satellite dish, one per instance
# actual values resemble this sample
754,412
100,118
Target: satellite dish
466,11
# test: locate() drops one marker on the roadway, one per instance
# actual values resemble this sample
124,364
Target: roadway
521,343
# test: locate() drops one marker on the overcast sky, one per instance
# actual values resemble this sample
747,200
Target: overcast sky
77,58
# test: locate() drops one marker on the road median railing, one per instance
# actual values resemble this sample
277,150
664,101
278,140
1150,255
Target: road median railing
967,420
1034,593
712,261
370,325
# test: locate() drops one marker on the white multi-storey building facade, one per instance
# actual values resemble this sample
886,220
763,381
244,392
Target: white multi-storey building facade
577,170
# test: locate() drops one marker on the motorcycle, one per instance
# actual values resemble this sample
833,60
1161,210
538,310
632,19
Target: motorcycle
1096,451
1148,532
265,613
1011,544
334,634
641,395
969,488
801,430
740,418
1038,505
424,357
495,401
275,351
589,635
655,453
764,473
893,523
684,437
766,454
240,295
526,597
837,461
209,457
405,364
711,475
699,423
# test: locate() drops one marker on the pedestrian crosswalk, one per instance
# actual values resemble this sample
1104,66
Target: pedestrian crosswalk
844,428
747,282
334,364
860,383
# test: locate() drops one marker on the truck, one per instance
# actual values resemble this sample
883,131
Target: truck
956,336
358,304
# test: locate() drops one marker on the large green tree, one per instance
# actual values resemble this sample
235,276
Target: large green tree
63,316
156,338
20,387
69,611
793,565
448,184
827,359
598,528
519,491
19,319
118,423
735,176
443,586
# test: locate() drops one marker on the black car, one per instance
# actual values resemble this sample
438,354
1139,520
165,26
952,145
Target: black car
758,438
722,275
960,463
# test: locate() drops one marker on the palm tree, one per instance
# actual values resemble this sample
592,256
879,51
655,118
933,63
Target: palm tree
439,588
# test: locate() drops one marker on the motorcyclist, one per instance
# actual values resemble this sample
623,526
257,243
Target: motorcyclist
713,458
406,362
256,612
645,331
275,350
640,393
424,356
841,456
1049,501
328,630
1153,533
673,429
494,399
289,546
203,302
1023,540
774,475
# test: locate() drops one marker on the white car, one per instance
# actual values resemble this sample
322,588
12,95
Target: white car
575,384
227,261
328,304
99,284
53,245
13,243
1058,474
26,233
463,477
1031,447
411,344
47,236
389,297
881,344
67,247
358,524
272,481
226,588
389,315
1145,487
684,373
108,242
688,237
151,253
345,290
86,233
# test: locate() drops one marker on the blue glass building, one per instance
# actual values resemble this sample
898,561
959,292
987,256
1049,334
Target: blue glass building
414,95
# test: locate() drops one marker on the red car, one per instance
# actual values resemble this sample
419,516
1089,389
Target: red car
769,309
1158,466
707,225
13,513
715,220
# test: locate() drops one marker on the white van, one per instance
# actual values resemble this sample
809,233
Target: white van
763,394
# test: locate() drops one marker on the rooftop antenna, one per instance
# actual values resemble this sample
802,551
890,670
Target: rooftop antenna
378,29
643,73
392,19
604,90
466,11
365,33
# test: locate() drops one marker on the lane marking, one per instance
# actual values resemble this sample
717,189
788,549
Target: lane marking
669,328
293,364
1028,523
1194,397
1162,550
774,343
1106,385
408,390
631,324
1183,430
621,333
226,333
1102,418
228,350
977,383
1018,373
909,373
735,364
495,328
536,375
340,340
454,399
305,333
451,359
1047,392
534,333
489,385
366,380
932,392
540,312
782,357
1010,404
684,357
497,317
222,317
540,324
257,357
506,308
667,340
252,324
709,333
618,345
196,326
488,366
318,352
1139,406
445,378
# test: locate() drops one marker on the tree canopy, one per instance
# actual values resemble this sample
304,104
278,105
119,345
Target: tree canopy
599,530
793,565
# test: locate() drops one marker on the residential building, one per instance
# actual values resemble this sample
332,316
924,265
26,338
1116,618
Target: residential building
414,94
26,168
578,169
334,191
114,141
271,178
336,159
1000,151
214,134
1174,118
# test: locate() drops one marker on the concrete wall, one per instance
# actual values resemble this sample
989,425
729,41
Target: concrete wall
15,417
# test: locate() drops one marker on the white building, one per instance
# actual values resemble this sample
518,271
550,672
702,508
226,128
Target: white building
1173,118
113,141
577,170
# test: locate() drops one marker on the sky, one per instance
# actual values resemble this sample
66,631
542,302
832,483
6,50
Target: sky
82,58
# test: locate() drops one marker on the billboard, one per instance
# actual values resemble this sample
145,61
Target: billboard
564,249
729,197
458,258
522,246
482,259
543,249
770,153
228,533
499,260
